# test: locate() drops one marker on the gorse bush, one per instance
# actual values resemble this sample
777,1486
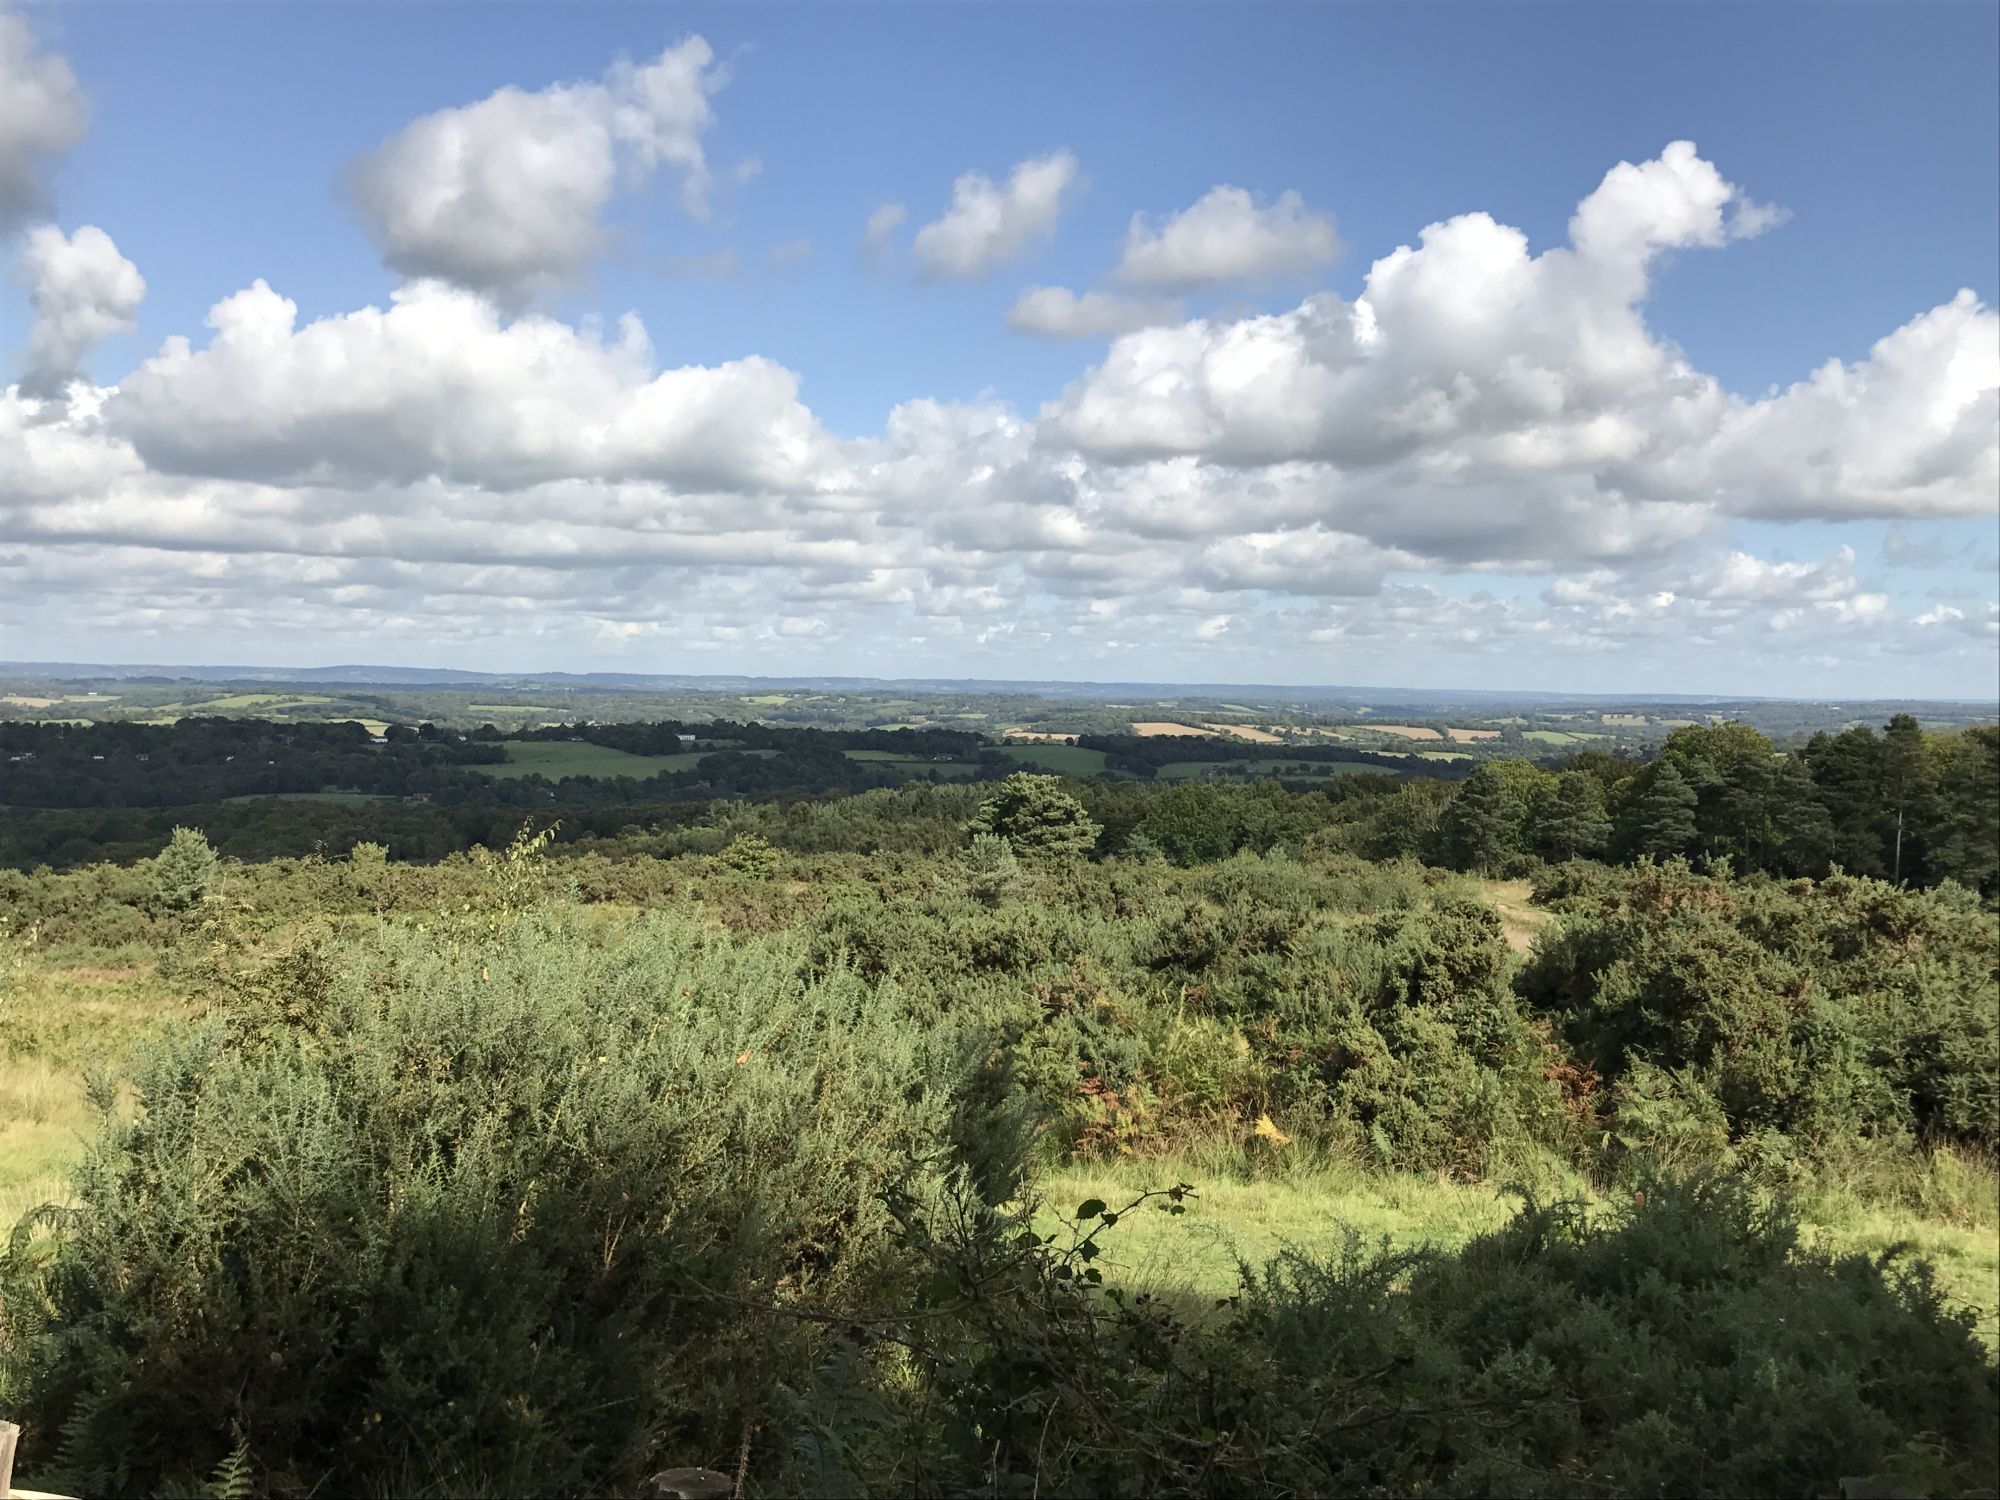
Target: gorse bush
1686,1345
528,1171
484,1218
1719,1011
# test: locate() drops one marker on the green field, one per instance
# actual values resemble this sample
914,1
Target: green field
1064,760
1558,736
263,702
916,765
557,759
1196,770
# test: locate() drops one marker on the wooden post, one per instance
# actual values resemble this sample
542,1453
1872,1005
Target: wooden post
9,1436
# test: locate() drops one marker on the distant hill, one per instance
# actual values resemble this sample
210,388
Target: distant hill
359,675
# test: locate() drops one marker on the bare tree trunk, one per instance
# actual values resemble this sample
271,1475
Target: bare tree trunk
9,1436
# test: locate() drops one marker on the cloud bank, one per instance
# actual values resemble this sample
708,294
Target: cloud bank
1485,451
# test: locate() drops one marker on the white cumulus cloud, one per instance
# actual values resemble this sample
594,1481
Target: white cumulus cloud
1228,236
444,473
506,195
1055,312
441,385
989,223
82,291
43,115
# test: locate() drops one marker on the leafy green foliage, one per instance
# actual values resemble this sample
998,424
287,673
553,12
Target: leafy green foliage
1688,1345
1808,1010
992,875
476,1214
530,1170
183,872
749,854
1038,819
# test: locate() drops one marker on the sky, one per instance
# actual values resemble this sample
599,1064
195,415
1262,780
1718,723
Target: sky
1557,347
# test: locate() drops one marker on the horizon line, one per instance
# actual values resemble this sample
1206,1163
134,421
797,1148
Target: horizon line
114,670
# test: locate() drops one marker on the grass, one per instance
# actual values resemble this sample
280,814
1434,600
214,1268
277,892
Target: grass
1253,1210
264,702
1064,760
1520,919
1235,1214
57,1021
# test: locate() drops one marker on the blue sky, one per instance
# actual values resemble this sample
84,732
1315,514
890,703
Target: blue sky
221,149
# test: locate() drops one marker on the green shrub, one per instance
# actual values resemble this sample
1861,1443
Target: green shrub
1814,1010
454,1213
1686,1345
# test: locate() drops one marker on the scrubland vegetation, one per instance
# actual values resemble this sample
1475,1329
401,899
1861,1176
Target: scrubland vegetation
1029,1136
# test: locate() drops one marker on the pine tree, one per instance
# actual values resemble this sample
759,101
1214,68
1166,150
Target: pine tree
1801,827
1966,844
183,871
1038,818
1662,814
1907,790
992,873
1578,824
1476,827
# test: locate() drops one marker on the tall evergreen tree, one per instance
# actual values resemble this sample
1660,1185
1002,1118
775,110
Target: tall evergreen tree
1846,768
1907,791
1801,827
1477,825
1965,842
1660,816
1577,824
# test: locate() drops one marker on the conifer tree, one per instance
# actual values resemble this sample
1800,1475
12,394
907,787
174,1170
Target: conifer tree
1476,827
1038,819
1578,824
1662,814
183,871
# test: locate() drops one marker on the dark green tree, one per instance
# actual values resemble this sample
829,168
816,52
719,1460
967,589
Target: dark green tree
1038,818
1800,825
1659,817
1907,791
1577,824
1192,823
1965,842
1477,826
1846,768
